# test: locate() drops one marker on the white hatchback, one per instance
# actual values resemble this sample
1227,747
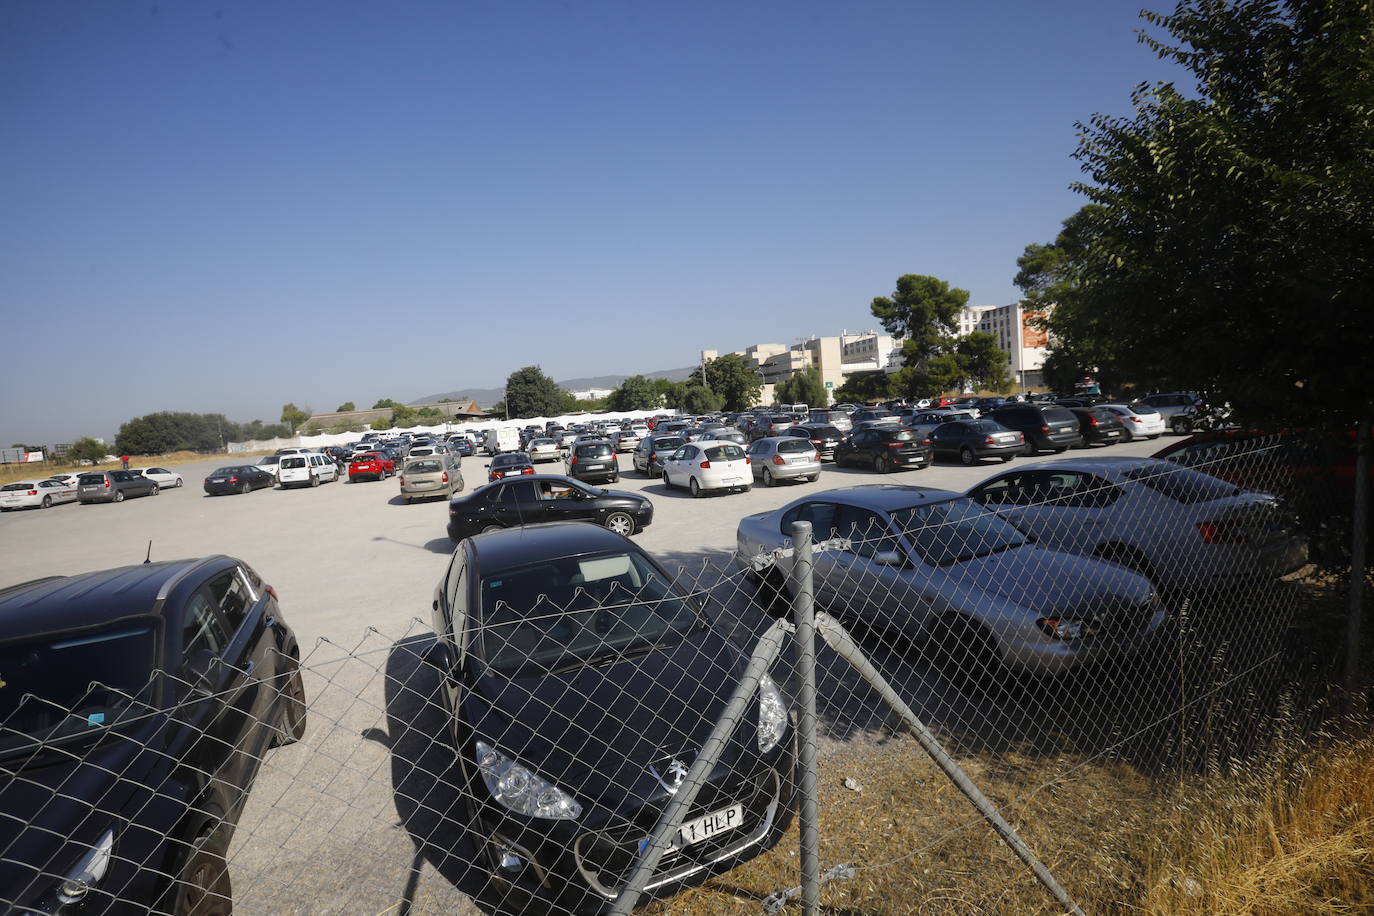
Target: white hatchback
708,465
1141,420
309,470
40,494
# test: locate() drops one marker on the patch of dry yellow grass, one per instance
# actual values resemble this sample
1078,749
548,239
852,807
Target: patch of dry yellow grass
12,472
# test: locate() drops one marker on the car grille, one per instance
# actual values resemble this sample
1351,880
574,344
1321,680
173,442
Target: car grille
607,857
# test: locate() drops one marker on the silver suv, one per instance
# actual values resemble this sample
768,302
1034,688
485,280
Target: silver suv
1176,408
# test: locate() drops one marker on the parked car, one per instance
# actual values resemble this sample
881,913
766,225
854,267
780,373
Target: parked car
67,477
375,465
770,424
140,704
971,440
784,458
561,792
509,464
885,448
649,454
542,448
828,416
1098,426
708,465
871,413
113,486
271,464
627,440
594,461
1174,407
1138,421
428,477
936,565
308,470
1045,427
237,478
539,498
36,494
1182,529
166,480
464,447
926,422
822,436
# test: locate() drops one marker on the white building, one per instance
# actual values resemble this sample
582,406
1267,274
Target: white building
1024,343
592,394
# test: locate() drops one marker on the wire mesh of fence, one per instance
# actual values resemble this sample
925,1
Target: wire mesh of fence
1017,689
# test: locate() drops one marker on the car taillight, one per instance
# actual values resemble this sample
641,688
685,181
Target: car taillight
527,470
443,479
572,460
233,480
817,442
33,492
988,440
1045,428
1221,533
706,464
748,461
1132,419
271,591
403,480
1092,421
778,459
895,444
106,484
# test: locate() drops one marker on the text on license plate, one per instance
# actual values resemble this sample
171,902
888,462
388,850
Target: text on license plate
702,829
594,467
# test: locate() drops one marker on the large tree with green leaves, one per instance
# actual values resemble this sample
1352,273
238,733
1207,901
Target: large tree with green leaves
698,399
294,416
531,393
804,387
924,312
635,393
733,377
862,387
87,449
1229,243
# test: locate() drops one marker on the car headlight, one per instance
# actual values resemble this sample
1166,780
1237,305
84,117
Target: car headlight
772,715
522,791
87,873
1067,627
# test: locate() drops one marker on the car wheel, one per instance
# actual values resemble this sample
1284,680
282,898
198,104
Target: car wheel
119,496
967,654
967,457
47,502
314,480
771,595
1028,451
768,480
621,523
1061,449
1127,435
245,488
1007,458
1180,425
486,528
293,708
885,465
667,484
177,484
694,488
203,888
155,490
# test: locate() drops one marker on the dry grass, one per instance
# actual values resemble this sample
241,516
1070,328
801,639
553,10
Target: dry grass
12,472
1288,837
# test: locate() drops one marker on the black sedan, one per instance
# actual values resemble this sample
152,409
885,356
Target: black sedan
509,464
970,440
885,449
1099,425
139,703
238,478
821,435
570,739
546,498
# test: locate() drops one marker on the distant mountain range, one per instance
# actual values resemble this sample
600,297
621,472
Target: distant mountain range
485,397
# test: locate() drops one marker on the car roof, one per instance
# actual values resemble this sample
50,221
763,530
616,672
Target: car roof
882,496
510,547
90,599
1114,463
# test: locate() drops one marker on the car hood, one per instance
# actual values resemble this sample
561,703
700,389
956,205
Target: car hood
595,732
1047,581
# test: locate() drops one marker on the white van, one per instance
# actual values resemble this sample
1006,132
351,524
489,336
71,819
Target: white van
307,470
503,439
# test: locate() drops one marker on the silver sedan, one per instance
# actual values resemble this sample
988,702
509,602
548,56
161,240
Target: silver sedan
784,458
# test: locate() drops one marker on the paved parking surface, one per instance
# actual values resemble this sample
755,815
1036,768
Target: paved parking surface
344,822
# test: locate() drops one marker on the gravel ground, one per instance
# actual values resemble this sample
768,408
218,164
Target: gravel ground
350,819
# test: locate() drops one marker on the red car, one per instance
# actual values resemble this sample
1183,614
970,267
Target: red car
370,464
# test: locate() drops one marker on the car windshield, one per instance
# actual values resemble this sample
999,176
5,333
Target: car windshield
955,531
270,459
71,686
566,613
365,457
1182,484
423,467
826,432
543,442
987,426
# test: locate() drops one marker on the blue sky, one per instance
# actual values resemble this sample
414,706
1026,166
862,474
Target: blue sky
224,207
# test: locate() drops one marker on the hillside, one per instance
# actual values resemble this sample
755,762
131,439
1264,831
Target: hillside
485,397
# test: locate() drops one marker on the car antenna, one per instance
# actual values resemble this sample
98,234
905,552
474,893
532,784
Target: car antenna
149,558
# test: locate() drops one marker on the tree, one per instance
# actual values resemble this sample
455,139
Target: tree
983,363
635,393
861,387
733,377
293,416
670,392
168,431
1229,244
531,393
87,449
924,312
345,407
386,402
698,399
804,387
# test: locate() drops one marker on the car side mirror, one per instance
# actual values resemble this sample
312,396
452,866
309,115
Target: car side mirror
888,558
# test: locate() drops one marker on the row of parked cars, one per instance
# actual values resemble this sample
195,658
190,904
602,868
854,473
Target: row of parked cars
87,487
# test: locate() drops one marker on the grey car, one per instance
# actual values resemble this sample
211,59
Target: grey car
784,458
113,486
937,565
426,477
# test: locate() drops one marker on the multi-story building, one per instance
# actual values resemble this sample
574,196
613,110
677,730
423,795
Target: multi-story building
1013,326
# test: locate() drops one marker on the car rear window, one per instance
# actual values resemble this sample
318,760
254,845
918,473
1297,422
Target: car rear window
668,443
900,435
1143,409
292,462
794,446
1182,484
423,467
593,450
89,479
1058,415
724,453
16,486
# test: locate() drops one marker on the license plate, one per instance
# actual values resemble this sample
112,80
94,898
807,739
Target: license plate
594,467
732,480
216,480
798,460
713,824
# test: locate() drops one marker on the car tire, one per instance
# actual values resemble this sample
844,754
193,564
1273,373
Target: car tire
1028,451
488,528
1006,459
1127,436
884,464
155,490
47,503
1180,426
967,654
1061,449
621,523
771,594
119,496
966,457
245,489
314,480
296,709
177,484
694,488
768,480
203,888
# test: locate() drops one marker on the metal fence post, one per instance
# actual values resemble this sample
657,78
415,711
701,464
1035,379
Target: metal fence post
764,654
803,574
840,640
1358,550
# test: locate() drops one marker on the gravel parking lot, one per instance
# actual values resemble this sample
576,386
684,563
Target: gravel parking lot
355,567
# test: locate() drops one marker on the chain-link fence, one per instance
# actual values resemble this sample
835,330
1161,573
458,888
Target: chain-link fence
888,700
